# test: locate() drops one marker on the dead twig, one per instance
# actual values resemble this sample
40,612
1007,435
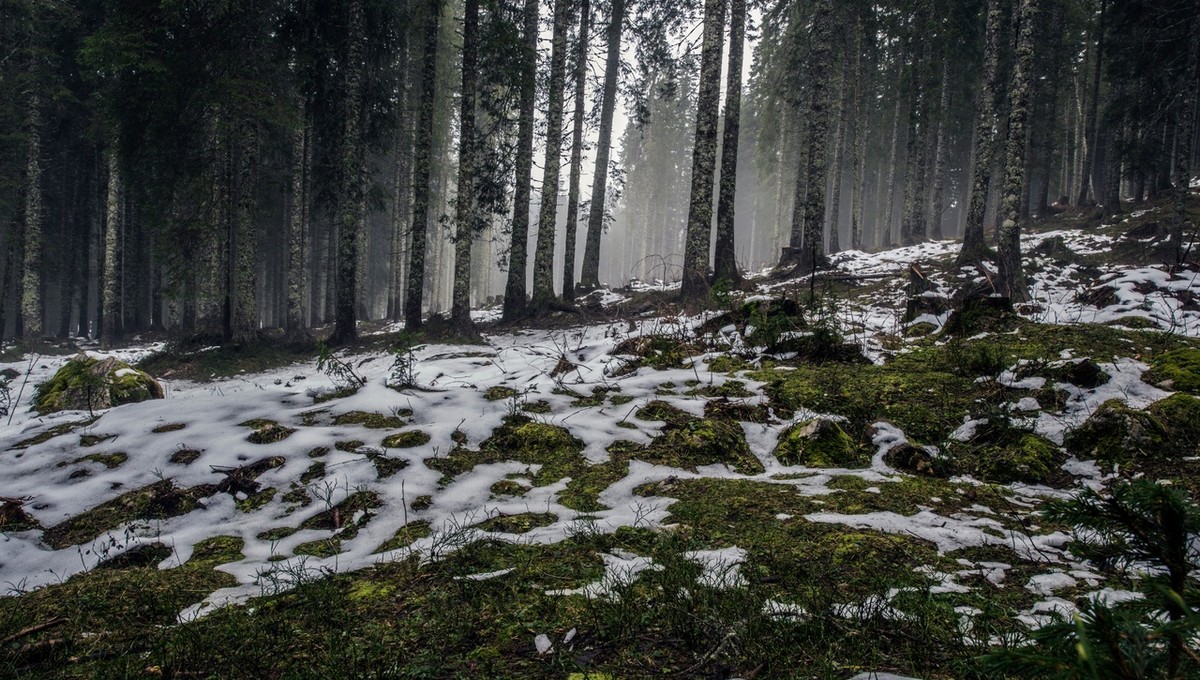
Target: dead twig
33,630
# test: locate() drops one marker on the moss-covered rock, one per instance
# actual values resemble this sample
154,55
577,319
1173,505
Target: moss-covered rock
916,460
1179,415
406,440
819,443
1029,459
1176,370
87,384
1115,433
692,442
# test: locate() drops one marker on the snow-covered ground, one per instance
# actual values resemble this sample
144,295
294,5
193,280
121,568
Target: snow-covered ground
451,399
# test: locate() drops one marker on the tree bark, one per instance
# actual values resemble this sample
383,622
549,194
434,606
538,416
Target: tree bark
885,233
974,246
581,54
294,330
31,279
422,169
1184,131
725,267
350,180
941,155
695,289
839,156
1011,278
515,303
818,138
110,283
861,111
464,213
590,275
1090,137
543,259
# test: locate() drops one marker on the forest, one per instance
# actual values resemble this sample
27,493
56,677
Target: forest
600,339
318,160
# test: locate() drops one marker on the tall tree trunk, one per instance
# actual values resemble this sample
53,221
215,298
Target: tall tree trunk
1185,131
839,155
974,246
885,233
1050,125
590,275
818,138
581,52
350,180
110,284
1011,278
422,168
725,266
694,289
515,302
543,258
1090,137
1114,141
31,279
861,114
401,191
464,212
941,155
243,243
294,329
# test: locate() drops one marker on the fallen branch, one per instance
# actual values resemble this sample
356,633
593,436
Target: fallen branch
32,630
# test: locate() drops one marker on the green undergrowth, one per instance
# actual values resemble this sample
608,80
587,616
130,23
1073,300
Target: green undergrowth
199,362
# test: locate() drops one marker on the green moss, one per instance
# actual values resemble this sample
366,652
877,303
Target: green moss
276,534
508,487
169,427
322,547
185,456
661,410
620,399
421,503
819,443
314,472
1030,459
517,524
297,497
56,431
85,384
374,421
728,363
350,445
340,393
656,351
1115,433
266,431
156,501
257,500
319,452
405,536
1179,368
217,550
688,444
499,393
407,440
340,515
88,440
730,389
541,406
386,466
108,460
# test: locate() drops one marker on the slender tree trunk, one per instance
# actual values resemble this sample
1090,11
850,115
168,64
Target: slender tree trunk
422,168
242,319
515,303
298,228
543,259
885,233
818,138
725,266
1114,141
839,155
941,155
1184,131
974,246
31,280
1011,278
464,213
590,275
581,53
861,111
695,289
110,288
350,180
1091,139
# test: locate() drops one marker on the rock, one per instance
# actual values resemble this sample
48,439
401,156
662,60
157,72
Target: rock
981,313
1083,373
1180,417
916,460
818,443
1179,368
87,384
1116,433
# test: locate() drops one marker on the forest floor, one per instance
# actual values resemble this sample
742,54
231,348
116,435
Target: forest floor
788,486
